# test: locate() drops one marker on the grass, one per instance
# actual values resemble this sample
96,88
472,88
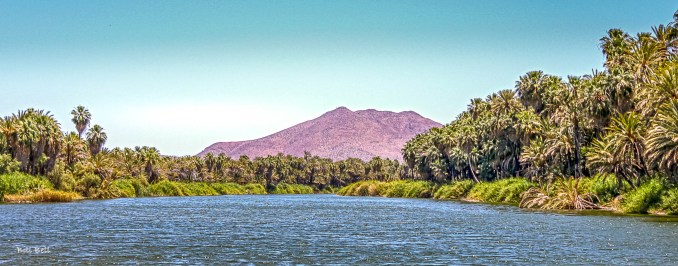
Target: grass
455,190
44,195
171,188
507,190
401,189
408,189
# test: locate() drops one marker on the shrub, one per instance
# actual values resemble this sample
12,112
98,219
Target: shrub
284,188
8,164
644,197
255,189
20,183
196,189
164,189
605,188
228,188
455,190
122,188
669,202
568,194
88,184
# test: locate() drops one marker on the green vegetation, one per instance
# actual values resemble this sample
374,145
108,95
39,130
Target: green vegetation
644,198
284,188
44,195
564,194
20,183
455,190
508,190
669,202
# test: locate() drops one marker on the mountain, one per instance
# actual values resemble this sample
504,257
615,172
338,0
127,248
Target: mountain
337,134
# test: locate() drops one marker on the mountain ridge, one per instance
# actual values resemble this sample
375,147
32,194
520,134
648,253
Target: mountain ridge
337,134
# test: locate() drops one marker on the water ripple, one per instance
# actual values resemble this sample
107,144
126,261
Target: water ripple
323,229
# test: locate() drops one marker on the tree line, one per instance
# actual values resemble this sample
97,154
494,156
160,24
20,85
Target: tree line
31,141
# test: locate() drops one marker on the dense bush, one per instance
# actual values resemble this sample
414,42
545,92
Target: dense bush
669,202
20,183
8,164
644,197
605,187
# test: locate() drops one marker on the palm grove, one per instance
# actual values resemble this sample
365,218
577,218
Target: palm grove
622,120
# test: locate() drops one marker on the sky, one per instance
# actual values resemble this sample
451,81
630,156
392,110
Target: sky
181,75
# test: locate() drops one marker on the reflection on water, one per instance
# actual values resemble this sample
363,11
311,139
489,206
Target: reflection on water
322,229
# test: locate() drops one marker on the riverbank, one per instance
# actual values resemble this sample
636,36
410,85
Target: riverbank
652,197
23,188
602,192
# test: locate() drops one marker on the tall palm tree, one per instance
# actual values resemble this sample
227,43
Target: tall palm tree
662,139
626,137
96,138
81,119
150,156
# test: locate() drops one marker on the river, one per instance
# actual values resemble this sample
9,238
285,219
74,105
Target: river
325,229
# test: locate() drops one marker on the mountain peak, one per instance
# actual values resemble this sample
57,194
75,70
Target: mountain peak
338,134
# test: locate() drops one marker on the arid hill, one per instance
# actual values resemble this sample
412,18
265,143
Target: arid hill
338,134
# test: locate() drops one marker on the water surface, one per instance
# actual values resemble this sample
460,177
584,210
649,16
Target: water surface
324,229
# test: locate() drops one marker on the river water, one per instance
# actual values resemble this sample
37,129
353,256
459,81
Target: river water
325,229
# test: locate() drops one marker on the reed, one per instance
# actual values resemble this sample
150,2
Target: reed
455,190
44,195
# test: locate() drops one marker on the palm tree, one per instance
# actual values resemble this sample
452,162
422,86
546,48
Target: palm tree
81,119
662,139
96,138
616,46
150,156
626,140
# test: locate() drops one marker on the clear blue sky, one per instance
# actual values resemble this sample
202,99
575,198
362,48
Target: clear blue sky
180,75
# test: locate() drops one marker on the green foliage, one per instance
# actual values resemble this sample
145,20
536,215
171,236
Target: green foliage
605,187
87,184
564,194
361,188
8,164
401,188
669,202
228,188
20,183
284,188
408,189
508,190
197,189
121,188
165,189
455,190
256,189
644,197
